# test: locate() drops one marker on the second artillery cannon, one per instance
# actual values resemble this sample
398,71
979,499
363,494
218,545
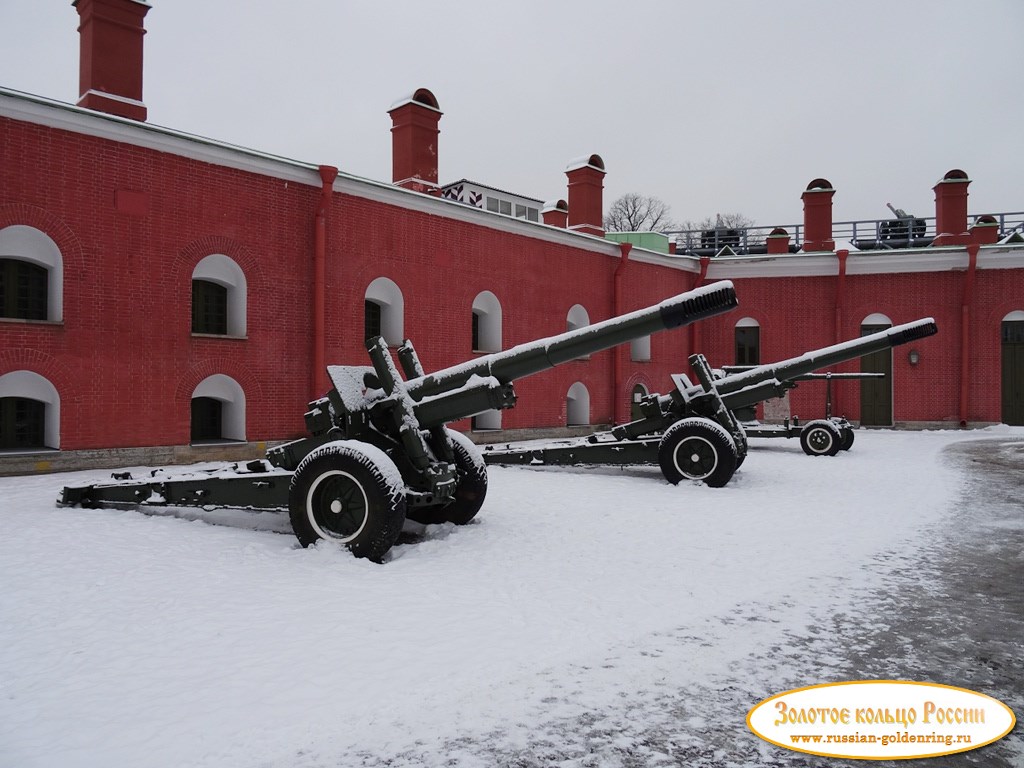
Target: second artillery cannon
379,449
693,433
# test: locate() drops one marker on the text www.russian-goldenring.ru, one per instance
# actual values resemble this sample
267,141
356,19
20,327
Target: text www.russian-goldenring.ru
884,740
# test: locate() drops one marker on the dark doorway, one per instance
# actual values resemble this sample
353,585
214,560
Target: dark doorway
1013,372
207,419
748,345
22,424
876,394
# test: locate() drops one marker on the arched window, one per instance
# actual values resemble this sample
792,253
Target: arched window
31,275
219,297
384,311
218,410
577,318
486,323
577,405
748,342
29,412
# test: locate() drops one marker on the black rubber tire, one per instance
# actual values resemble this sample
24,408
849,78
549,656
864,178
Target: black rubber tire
339,492
821,437
472,489
848,437
469,493
697,449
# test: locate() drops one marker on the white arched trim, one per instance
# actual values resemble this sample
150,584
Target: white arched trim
876,319
32,386
29,244
577,318
385,293
1014,317
487,308
223,270
577,405
224,388
748,322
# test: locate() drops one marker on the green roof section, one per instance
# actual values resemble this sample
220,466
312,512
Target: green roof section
650,241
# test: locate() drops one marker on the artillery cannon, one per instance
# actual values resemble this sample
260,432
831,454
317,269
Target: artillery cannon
379,450
902,231
693,432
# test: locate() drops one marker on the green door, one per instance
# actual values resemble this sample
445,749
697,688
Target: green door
876,393
1013,372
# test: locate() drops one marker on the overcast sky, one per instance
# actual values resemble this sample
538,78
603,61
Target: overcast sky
727,106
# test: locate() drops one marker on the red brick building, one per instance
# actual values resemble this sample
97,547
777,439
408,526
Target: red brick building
164,293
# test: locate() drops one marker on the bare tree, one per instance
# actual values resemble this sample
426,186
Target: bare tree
721,229
638,213
720,221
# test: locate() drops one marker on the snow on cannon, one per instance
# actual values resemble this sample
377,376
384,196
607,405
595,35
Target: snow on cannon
379,450
693,433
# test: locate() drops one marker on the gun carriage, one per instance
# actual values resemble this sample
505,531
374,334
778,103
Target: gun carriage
379,449
694,432
793,428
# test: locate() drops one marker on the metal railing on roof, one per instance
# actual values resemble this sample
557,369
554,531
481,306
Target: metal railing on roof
864,235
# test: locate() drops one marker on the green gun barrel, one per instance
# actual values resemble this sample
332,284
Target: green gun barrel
736,389
533,357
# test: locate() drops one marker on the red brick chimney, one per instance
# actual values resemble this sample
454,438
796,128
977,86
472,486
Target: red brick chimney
556,213
818,216
951,209
414,135
110,61
586,185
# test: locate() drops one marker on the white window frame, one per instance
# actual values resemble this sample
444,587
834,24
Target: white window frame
488,309
223,270
577,405
31,386
25,243
222,387
385,292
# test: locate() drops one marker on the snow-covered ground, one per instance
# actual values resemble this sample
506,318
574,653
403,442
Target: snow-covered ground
595,617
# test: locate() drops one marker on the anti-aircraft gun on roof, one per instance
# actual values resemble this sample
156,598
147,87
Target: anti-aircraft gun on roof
693,432
903,231
379,450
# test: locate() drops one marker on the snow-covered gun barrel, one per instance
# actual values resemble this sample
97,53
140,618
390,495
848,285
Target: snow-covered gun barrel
764,382
379,449
534,357
375,404
693,432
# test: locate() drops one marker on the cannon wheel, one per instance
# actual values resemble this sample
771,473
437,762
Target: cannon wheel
472,473
821,438
349,494
848,436
697,449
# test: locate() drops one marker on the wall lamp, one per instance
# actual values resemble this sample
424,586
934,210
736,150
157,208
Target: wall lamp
914,357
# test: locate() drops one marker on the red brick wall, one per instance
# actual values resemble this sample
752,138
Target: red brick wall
131,224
